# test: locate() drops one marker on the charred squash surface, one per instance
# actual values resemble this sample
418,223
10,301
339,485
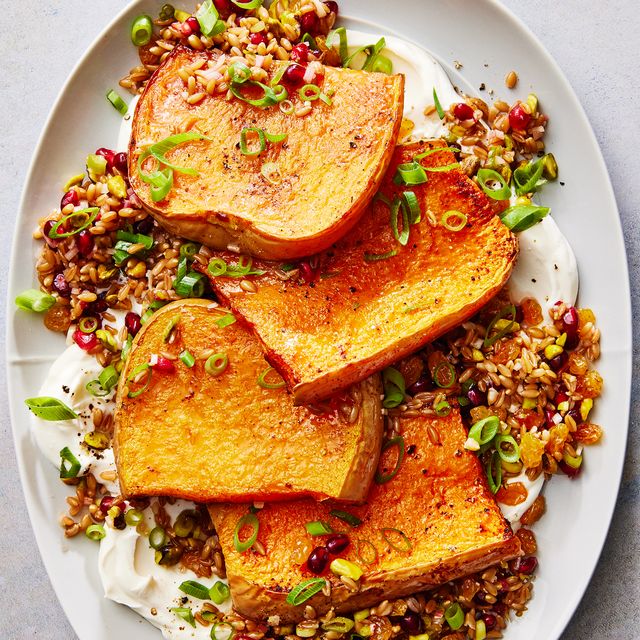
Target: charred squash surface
225,438
450,525
329,167
361,313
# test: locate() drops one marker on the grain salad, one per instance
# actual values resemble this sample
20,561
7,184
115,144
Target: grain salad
522,373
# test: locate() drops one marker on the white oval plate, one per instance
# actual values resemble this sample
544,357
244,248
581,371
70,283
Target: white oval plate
488,41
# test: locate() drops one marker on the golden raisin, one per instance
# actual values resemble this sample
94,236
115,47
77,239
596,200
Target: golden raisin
531,450
512,494
531,311
58,318
557,438
435,359
590,385
534,512
578,364
530,419
505,351
584,316
527,540
411,369
588,433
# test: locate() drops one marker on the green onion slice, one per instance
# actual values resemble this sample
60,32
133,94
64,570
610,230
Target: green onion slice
96,389
444,375
376,257
485,430
271,95
187,358
183,267
146,368
309,92
318,528
157,538
88,324
442,409
410,174
50,409
262,380
401,236
185,614
366,551
195,589
396,539
339,34
118,103
490,340
34,300
171,325
161,148
216,364
459,220
141,30
524,216
394,388
443,168
262,141
485,176
208,19
247,520
227,631
398,442
494,472
107,379
188,250
226,320
239,73
95,532
345,516
528,179
436,102
218,267
305,590
512,452
219,592
338,625
80,220
429,152
133,517
382,64
412,205
249,5
69,464
135,238
454,616
190,286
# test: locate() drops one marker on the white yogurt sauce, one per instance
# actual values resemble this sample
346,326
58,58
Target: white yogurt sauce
130,576
546,270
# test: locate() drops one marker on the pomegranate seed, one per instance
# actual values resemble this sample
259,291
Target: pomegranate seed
519,314
108,155
120,162
132,322
463,111
306,272
337,544
85,341
109,501
411,623
224,7
294,76
549,414
559,362
71,197
519,118
490,621
300,53
575,414
193,24
476,397
561,397
318,560
422,384
258,38
46,230
332,6
570,323
61,285
568,470
309,22
97,306
164,365
84,242
526,565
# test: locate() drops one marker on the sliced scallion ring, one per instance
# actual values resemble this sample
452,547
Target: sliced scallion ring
398,442
413,206
338,625
262,380
486,176
410,174
339,34
438,106
249,5
309,92
494,472
271,173
88,324
217,267
194,589
442,408
209,19
239,73
222,631
141,30
489,339
80,220
382,64
528,179
219,592
69,465
216,364
185,614
171,325
146,381
118,103
454,615
345,516
305,590
190,286
394,388
376,257
485,430
522,217
161,148
445,168
396,539
226,320
262,141
95,532
247,520
429,152
401,236
444,375
366,551
454,220
34,300
188,250
270,96
50,409
187,358
318,528
512,452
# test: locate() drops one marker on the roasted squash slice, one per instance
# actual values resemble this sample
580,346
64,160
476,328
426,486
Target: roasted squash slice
205,436
328,169
434,521
372,300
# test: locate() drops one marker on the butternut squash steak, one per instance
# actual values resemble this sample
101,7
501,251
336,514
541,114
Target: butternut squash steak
318,182
212,433
372,300
434,521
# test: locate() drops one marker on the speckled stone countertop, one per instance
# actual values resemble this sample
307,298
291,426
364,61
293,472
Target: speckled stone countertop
595,44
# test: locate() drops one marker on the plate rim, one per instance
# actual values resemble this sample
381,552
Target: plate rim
577,595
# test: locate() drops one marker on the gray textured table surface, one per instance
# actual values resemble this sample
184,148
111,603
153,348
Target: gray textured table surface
597,46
